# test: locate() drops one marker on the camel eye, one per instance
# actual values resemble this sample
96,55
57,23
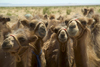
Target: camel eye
21,39
46,24
56,30
84,23
32,25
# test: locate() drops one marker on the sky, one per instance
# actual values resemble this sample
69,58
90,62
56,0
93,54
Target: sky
50,1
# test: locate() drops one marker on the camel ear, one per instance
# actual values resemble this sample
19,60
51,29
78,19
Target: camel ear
52,17
53,29
91,11
33,38
90,21
46,24
3,19
45,16
8,19
96,18
25,23
32,25
66,21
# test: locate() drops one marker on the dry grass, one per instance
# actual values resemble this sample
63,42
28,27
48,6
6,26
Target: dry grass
21,11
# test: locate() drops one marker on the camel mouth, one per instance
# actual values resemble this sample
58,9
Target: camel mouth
42,32
72,32
63,40
6,47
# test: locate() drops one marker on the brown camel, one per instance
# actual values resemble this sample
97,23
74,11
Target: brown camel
38,28
56,48
95,32
94,29
78,31
87,12
17,44
49,31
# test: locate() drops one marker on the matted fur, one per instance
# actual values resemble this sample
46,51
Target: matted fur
51,48
95,31
93,59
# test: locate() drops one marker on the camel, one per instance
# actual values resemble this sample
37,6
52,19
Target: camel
56,48
95,29
37,28
80,33
41,27
87,12
16,43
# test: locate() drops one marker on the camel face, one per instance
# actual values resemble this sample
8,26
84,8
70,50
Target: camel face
77,25
62,36
39,28
10,45
15,39
73,29
85,11
61,33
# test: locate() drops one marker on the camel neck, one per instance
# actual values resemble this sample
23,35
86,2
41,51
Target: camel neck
38,45
63,56
80,50
36,61
24,57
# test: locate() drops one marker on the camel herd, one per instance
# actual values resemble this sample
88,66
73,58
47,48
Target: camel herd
47,41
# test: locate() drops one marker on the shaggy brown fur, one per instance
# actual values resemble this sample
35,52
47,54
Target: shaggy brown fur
88,12
52,17
52,49
25,52
32,24
83,48
60,18
49,32
95,31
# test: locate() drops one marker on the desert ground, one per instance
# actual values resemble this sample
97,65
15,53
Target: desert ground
65,10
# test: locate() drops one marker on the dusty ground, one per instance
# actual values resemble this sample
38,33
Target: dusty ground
21,11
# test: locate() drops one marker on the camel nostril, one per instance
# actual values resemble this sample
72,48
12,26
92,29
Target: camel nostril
6,45
72,26
62,35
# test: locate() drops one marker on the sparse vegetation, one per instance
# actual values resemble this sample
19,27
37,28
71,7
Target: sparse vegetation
9,14
99,10
65,10
46,11
68,11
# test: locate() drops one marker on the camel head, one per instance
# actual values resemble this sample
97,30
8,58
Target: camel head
61,32
87,12
36,26
96,22
16,39
77,25
4,20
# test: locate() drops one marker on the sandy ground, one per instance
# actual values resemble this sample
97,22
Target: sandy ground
21,11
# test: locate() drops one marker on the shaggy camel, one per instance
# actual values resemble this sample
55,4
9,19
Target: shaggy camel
51,21
56,49
49,32
87,12
95,32
4,28
17,44
94,29
39,29
78,31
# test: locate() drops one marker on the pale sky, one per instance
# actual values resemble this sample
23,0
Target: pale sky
50,1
